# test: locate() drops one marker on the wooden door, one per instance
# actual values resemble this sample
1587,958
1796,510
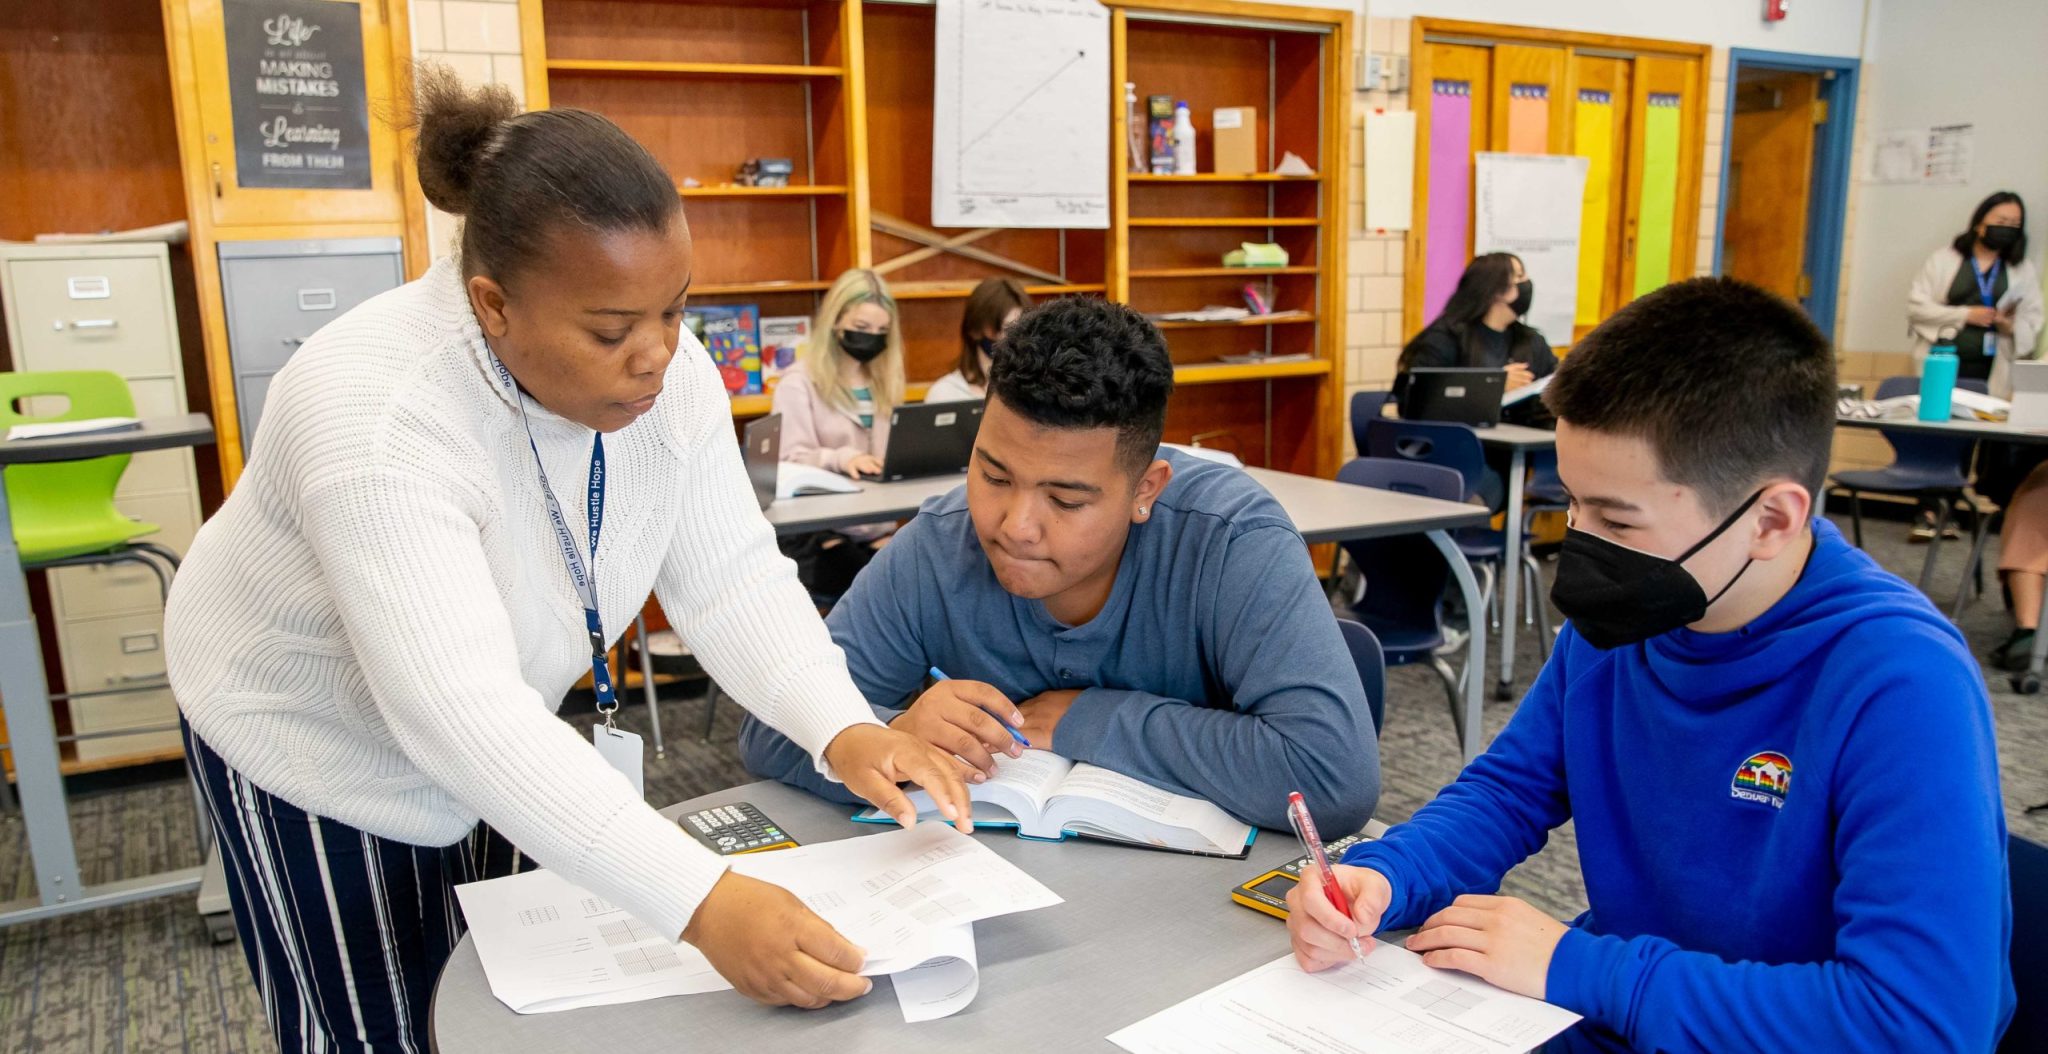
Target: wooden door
235,204
1452,100
1530,113
1770,178
1600,123
1664,170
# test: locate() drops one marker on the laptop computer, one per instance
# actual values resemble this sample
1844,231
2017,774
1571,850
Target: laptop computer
2029,395
1461,395
930,439
761,450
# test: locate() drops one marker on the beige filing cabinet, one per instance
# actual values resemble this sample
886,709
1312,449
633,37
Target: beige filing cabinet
109,307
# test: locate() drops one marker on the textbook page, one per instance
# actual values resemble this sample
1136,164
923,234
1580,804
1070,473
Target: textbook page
1389,1004
548,944
1147,802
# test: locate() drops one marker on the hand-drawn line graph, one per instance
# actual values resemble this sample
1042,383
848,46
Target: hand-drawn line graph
1021,128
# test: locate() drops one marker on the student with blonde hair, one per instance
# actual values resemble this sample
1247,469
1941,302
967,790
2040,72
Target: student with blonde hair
835,405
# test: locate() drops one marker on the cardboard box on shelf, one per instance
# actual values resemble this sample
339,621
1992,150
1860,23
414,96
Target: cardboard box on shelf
1236,131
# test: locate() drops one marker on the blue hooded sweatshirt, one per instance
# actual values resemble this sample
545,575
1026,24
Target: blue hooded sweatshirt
1791,834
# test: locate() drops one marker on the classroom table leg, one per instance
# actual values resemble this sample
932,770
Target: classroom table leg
31,734
2029,682
1511,580
647,685
1475,658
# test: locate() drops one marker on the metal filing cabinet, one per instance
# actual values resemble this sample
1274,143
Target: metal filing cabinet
278,294
109,307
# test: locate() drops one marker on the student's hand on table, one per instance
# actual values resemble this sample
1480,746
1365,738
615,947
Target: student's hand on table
1042,713
1321,934
773,948
862,465
1502,940
964,718
872,760
1520,375
1982,316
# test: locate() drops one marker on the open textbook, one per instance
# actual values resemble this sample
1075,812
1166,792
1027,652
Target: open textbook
908,897
1391,1003
1044,795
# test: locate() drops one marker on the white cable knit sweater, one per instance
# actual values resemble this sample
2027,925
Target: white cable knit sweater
378,626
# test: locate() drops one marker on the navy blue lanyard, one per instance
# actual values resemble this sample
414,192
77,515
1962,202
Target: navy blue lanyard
1987,281
581,575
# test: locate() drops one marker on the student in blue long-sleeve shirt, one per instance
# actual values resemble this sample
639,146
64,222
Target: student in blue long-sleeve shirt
1144,610
1777,755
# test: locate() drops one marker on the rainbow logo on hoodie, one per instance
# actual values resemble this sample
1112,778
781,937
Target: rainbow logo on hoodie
1765,778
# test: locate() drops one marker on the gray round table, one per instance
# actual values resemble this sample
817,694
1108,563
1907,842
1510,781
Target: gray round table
1139,932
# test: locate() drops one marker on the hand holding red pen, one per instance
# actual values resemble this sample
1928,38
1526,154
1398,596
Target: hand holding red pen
1321,933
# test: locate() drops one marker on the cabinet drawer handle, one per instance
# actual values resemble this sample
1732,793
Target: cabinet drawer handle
135,678
95,323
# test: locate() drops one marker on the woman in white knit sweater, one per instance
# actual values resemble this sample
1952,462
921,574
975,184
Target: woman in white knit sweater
369,641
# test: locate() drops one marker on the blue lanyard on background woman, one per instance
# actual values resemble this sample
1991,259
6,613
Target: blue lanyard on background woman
1986,282
581,575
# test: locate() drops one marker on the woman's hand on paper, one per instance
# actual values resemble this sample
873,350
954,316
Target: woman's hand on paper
772,948
1503,940
965,719
871,760
1321,933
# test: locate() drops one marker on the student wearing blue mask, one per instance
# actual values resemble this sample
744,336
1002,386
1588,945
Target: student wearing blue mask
1778,757
1115,603
991,307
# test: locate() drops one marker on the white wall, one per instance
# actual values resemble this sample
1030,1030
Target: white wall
1921,68
1815,27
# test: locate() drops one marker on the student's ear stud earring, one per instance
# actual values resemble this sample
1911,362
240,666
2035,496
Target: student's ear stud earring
1144,511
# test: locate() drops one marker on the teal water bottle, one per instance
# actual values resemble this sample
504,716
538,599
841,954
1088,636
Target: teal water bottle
1938,379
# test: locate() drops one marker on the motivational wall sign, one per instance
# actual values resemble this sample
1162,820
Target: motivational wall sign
298,95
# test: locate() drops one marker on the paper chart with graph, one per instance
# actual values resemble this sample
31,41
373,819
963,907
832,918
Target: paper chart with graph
909,897
1389,1004
1020,114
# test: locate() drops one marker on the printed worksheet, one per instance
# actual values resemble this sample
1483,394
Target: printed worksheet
907,896
1388,1004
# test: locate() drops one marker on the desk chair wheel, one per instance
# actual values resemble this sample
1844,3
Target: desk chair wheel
220,927
1503,691
2027,683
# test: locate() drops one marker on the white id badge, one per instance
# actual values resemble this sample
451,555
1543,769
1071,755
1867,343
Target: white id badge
622,750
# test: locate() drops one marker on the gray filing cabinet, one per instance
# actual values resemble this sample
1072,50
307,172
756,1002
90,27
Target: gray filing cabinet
109,307
280,293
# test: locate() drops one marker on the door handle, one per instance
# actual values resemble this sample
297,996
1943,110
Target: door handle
95,323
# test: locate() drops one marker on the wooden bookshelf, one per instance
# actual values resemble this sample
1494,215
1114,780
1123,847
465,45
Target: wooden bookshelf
844,89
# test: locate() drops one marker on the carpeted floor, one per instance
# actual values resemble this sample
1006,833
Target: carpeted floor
144,978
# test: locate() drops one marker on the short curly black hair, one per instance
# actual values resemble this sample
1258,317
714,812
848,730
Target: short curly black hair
1731,385
1079,362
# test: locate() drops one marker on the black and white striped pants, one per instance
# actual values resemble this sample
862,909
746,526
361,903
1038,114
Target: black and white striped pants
345,932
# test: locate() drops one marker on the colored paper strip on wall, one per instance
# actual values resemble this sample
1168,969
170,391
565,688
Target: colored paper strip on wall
1660,193
1528,119
1450,193
1593,139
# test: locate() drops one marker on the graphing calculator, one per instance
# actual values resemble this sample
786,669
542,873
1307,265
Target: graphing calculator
734,829
1268,892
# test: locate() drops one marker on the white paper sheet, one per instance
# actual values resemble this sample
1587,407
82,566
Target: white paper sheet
1389,1004
1529,205
1389,170
795,479
905,896
944,984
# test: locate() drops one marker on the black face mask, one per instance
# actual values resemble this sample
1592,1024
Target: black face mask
863,347
1525,292
1615,595
1998,237
987,348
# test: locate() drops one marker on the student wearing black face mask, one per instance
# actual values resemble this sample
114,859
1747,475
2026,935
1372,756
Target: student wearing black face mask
835,405
991,307
1481,326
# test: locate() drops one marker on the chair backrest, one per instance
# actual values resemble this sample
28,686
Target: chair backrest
1404,575
58,493
1918,450
1366,407
1453,446
1372,668
2028,863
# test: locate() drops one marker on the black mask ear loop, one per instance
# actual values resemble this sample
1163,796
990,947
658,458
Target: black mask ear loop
1717,532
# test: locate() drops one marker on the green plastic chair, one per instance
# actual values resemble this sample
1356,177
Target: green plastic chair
64,512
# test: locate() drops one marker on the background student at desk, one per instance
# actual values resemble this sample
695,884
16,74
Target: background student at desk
991,307
1156,615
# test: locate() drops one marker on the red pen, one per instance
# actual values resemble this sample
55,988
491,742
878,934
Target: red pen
1312,845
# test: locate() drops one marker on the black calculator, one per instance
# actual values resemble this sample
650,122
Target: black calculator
734,829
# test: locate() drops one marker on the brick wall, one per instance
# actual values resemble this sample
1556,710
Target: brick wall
478,39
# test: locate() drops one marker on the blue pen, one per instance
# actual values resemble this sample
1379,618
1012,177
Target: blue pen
940,675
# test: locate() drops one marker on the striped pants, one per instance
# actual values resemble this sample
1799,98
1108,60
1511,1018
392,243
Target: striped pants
345,932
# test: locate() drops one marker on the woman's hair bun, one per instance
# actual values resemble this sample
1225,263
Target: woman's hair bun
457,127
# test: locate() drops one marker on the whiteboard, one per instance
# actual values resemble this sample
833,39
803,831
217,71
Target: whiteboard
1020,114
1528,204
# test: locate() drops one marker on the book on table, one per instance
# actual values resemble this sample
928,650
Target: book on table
1043,795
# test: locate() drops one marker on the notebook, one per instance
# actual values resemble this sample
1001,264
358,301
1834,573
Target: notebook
83,427
1046,796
